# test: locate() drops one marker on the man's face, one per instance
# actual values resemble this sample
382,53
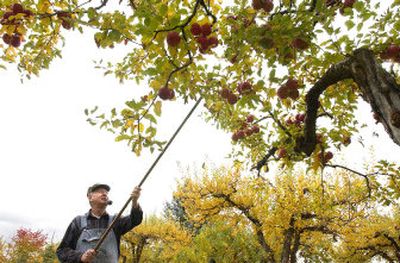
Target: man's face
98,197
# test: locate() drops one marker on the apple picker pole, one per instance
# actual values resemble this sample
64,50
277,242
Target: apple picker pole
103,236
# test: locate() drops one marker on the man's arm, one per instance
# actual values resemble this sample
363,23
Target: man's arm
66,250
126,223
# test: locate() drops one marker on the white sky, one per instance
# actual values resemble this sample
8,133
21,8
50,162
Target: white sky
49,154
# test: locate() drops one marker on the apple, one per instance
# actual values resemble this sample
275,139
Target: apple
7,38
257,4
235,137
268,6
250,118
293,94
17,8
282,92
248,131
15,40
393,50
255,129
212,41
348,3
244,87
328,156
225,93
292,83
282,153
166,93
232,98
300,44
173,38
195,29
300,117
206,29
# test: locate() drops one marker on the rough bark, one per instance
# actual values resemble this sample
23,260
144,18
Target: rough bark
287,244
378,87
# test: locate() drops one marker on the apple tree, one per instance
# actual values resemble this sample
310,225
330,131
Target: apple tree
284,78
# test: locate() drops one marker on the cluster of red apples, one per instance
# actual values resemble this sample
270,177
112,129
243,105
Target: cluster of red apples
266,5
14,16
246,129
289,90
202,34
344,4
243,88
391,52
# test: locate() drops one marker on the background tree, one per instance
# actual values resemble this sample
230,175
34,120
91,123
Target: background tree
223,243
155,240
295,215
28,246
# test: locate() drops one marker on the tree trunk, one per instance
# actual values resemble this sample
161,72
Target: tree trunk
286,250
379,89
267,249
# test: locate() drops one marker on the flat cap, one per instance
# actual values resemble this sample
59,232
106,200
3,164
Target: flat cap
94,187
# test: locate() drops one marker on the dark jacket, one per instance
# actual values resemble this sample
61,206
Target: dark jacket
66,250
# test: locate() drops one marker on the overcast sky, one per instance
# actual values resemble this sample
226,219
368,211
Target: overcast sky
49,154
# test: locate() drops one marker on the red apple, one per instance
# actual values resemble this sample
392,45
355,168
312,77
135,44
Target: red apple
235,137
173,38
282,153
293,94
248,132
393,50
268,6
225,93
212,41
348,3
244,87
165,93
300,44
292,83
15,40
7,38
300,117
195,29
206,29
257,4
203,41
17,8
255,129
250,118
282,92
328,156
232,98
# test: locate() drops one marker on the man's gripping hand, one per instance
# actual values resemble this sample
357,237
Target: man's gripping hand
88,256
135,196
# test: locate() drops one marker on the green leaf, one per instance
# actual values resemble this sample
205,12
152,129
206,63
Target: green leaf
157,108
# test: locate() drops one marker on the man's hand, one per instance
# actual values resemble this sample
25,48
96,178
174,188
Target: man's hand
88,256
135,196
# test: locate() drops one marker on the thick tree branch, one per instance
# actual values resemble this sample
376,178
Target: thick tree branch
378,88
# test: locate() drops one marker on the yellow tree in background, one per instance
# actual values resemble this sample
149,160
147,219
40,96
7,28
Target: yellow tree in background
155,240
375,235
294,215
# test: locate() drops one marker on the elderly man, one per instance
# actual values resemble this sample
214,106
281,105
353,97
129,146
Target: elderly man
84,231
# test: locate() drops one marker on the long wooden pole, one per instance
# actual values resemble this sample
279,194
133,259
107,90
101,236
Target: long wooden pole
104,235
